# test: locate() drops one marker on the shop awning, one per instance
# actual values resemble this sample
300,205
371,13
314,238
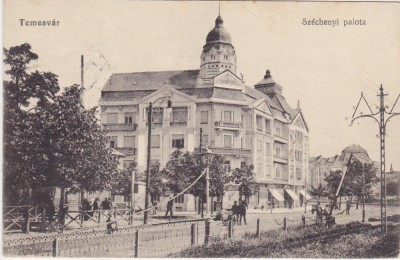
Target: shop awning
305,194
292,194
276,195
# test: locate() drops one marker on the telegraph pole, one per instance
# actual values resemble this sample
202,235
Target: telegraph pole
379,117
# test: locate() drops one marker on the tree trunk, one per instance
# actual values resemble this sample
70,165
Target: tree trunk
358,200
61,215
340,201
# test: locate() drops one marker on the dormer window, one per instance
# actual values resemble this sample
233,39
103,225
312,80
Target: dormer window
212,57
225,57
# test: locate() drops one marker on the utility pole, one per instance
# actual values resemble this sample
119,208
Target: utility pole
146,199
201,164
379,117
363,192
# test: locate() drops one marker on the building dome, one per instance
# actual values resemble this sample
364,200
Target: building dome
357,152
354,149
219,33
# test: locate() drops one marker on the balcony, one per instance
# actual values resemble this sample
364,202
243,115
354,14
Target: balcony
119,127
280,159
229,151
126,150
281,139
228,125
178,123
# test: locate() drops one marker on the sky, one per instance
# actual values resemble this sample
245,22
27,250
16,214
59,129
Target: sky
325,67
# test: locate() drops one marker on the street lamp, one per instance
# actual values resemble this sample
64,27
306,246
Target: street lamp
149,122
207,155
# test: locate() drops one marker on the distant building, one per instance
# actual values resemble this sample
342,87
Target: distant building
320,167
240,122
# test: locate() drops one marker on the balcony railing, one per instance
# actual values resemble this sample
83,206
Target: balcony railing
229,151
228,125
178,123
281,158
126,150
281,139
154,124
119,127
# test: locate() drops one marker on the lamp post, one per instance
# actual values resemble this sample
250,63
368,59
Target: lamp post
208,156
149,122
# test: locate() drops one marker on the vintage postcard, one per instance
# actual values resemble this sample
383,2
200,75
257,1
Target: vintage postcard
201,129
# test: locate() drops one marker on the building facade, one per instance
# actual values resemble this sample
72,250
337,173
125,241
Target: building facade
320,167
240,122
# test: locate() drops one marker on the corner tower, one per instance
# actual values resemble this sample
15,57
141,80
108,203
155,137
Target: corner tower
218,53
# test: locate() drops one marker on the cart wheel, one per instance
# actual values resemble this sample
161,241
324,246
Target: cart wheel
225,222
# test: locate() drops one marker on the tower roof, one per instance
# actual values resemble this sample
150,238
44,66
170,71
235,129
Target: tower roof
218,33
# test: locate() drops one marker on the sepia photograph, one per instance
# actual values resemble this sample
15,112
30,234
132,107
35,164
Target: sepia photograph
200,129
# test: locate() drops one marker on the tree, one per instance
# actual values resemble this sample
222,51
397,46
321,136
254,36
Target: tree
121,182
318,192
55,142
156,183
184,168
24,95
244,176
392,188
358,175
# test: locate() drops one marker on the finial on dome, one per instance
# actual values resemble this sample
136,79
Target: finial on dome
219,21
267,75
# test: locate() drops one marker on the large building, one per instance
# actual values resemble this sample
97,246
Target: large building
240,122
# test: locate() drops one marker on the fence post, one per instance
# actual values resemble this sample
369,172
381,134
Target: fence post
207,232
284,223
82,216
303,219
230,229
258,227
193,234
42,221
55,247
98,211
137,243
27,221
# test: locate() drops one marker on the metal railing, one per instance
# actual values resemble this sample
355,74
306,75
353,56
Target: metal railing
228,124
120,127
126,150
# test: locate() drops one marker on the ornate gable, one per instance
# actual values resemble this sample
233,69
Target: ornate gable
300,122
175,96
228,80
263,107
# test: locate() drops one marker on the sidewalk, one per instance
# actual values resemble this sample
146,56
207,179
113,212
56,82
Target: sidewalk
279,210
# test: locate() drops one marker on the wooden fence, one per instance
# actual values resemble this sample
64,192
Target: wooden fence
28,217
134,241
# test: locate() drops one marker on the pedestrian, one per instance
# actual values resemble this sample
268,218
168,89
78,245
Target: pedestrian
86,208
105,204
348,206
170,205
235,212
96,204
243,207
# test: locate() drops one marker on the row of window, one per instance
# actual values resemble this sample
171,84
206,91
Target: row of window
178,141
263,124
213,57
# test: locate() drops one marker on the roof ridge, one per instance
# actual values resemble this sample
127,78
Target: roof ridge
153,71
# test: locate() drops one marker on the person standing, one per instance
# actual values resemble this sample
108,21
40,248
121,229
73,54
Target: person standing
243,207
348,206
170,205
235,212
